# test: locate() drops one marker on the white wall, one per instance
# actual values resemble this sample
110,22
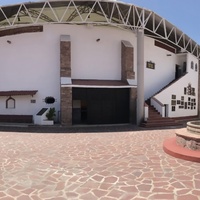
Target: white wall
164,72
178,90
32,61
22,105
98,60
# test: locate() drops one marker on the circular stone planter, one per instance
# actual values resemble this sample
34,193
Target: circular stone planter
189,137
186,144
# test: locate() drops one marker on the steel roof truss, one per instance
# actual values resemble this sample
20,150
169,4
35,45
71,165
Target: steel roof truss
146,20
171,31
56,17
40,13
103,11
159,24
195,49
140,17
27,12
5,16
16,15
113,9
187,44
77,10
90,12
165,29
120,14
128,15
61,19
180,38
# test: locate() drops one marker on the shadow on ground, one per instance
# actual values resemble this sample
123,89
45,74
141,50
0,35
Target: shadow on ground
76,129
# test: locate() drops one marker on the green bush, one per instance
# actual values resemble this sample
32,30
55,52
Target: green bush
51,113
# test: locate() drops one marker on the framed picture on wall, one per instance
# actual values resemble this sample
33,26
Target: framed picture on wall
150,65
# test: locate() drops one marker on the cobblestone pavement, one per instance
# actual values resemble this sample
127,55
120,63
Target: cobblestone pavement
89,165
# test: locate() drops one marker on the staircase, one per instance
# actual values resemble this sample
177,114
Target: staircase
156,120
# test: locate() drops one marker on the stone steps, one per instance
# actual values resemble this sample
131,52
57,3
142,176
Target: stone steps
156,120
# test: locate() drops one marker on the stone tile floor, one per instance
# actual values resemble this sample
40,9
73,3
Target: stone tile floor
86,164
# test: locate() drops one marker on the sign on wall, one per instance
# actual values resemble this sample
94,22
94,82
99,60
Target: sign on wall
150,65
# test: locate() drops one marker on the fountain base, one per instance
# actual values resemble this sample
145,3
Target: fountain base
186,144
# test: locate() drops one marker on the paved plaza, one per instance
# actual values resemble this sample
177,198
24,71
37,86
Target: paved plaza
97,163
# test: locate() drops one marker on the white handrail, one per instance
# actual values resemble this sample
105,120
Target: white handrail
158,106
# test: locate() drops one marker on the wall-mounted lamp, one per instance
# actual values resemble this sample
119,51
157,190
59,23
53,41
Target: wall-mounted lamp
98,39
9,42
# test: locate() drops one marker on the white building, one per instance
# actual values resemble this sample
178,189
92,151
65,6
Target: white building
95,62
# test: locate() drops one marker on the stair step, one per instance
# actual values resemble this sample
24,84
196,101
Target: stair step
156,120
160,121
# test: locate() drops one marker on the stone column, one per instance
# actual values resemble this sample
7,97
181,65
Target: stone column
133,103
65,76
140,76
128,74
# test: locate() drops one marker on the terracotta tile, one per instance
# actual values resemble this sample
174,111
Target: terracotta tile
99,193
162,196
91,164
24,197
129,189
115,194
88,196
187,197
144,187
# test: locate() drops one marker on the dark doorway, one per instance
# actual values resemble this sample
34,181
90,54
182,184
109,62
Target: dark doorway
178,71
100,106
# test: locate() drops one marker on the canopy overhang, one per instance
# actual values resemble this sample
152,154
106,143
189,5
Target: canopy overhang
98,13
18,92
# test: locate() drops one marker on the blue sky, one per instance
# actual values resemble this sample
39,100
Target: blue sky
184,14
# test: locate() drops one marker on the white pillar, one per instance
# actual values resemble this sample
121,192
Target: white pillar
140,76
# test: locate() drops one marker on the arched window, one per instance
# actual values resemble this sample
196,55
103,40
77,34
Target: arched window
10,103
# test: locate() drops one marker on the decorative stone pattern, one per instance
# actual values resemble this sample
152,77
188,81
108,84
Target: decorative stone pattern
127,56
93,165
188,142
133,99
66,106
189,137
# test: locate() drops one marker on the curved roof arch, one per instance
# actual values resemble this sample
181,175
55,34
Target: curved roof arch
108,13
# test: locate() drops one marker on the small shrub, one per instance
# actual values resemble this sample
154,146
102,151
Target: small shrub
51,113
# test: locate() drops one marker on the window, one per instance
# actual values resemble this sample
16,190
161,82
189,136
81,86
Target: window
196,67
192,65
10,103
49,100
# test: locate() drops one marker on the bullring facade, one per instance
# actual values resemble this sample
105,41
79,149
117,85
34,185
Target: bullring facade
95,62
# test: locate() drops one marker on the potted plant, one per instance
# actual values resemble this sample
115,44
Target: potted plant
51,114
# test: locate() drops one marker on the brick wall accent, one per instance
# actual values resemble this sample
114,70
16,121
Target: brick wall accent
65,57
127,65
20,30
65,72
66,106
133,102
